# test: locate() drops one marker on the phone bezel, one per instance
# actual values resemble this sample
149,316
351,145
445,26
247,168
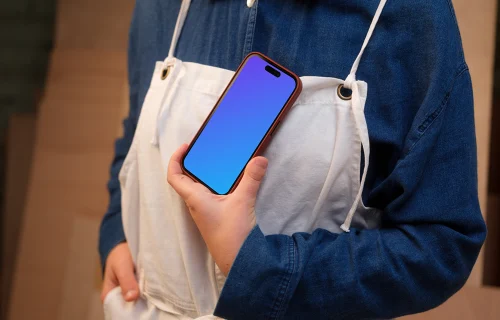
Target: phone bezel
265,140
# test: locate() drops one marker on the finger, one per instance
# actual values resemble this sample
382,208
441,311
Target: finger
107,286
252,178
176,177
126,278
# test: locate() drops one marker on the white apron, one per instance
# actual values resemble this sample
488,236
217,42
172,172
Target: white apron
313,180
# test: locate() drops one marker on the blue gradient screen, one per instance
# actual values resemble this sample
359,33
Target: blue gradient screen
238,124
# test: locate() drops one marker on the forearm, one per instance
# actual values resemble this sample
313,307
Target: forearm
431,234
362,274
111,234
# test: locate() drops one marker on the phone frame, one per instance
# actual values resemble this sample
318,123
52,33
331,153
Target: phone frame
270,131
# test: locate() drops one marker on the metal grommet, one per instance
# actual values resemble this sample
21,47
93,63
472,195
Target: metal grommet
165,72
342,96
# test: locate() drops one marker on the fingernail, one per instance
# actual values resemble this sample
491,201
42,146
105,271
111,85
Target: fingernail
130,294
261,162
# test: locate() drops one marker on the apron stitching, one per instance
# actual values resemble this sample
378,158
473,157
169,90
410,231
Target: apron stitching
175,302
300,102
194,89
187,275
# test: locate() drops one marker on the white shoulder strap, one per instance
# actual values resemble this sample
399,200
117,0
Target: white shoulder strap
351,78
359,117
178,26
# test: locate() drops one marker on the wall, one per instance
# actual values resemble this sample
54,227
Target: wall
26,29
477,24
58,266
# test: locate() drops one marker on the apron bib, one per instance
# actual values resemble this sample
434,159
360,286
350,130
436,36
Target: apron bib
313,179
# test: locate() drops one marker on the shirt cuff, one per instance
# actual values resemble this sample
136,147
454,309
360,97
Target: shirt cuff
259,282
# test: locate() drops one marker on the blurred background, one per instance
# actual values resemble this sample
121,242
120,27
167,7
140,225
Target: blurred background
63,95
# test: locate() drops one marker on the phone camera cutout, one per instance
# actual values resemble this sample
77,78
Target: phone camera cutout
273,71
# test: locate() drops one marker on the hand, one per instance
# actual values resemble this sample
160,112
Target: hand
224,221
120,272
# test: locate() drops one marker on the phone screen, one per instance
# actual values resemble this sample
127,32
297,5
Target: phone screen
238,124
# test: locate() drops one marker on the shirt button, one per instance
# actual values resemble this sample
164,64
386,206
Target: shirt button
250,3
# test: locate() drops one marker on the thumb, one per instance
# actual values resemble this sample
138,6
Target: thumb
252,178
127,281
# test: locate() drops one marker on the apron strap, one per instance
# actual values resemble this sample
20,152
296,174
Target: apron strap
359,116
178,26
169,60
351,78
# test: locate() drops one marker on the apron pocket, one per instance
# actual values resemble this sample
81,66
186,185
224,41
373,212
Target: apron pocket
116,308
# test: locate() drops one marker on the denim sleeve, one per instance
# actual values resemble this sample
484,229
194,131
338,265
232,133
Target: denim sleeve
111,232
431,234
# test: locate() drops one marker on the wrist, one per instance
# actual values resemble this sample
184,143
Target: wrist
225,250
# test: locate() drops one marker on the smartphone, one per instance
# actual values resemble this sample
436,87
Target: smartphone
241,123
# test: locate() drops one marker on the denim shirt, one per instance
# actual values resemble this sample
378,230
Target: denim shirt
422,171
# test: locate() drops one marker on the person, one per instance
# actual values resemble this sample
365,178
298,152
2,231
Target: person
363,206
